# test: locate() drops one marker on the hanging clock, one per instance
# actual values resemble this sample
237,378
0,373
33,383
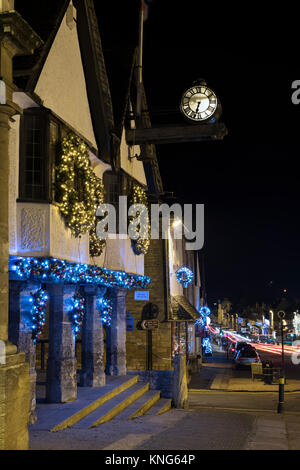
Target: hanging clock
200,104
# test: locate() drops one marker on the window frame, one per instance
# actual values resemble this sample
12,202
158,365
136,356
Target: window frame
44,140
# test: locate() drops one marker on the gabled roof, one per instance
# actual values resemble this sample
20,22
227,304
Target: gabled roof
28,70
36,70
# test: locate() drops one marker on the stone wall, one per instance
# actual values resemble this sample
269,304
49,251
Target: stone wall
136,345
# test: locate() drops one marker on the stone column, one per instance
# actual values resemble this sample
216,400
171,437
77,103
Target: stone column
92,373
61,366
20,332
116,339
16,37
14,371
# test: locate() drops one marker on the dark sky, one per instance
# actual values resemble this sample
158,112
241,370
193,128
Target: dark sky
249,182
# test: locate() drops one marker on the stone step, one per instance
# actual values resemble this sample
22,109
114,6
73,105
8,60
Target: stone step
113,407
112,389
162,406
120,403
140,406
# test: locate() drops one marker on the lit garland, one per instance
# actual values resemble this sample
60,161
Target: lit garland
78,205
53,270
206,344
105,309
184,276
141,245
204,313
201,321
96,244
77,313
39,302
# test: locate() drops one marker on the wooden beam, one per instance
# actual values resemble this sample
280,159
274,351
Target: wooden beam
176,134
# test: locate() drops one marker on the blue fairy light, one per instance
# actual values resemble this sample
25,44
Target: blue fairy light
105,308
39,301
207,348
184,276
205,311
77,313
53,270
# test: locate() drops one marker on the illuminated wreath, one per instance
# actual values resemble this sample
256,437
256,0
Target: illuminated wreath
205,311
184,276
141,245
80,191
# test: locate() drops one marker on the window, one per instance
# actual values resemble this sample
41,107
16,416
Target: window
111,183
40,138
33,161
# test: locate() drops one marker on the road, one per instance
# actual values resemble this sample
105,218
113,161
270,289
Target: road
204,397
270,352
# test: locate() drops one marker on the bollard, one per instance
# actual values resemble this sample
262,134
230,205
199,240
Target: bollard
180,389
281,395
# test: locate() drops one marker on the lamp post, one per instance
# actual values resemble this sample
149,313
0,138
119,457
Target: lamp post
281,315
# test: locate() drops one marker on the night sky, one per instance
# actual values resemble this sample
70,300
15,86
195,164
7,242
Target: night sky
249,181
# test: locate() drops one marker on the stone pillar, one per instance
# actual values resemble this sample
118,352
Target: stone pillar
16,37
62,365
116,338
92,373
20,332
180,390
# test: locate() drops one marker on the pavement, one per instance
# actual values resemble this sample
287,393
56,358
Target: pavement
216,419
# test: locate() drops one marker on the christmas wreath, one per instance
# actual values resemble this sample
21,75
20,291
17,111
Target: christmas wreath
184,276
80,191
141,245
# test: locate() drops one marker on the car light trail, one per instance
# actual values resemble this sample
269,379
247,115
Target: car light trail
265,347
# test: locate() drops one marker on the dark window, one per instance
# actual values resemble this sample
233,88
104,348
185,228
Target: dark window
33,157
34,163
111,183
54,148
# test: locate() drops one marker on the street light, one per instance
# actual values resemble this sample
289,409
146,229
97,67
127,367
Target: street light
281,315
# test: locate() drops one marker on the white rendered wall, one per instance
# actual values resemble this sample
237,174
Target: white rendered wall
130,165
175,262
62,86
118,255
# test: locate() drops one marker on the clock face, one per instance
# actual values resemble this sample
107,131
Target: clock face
199,103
